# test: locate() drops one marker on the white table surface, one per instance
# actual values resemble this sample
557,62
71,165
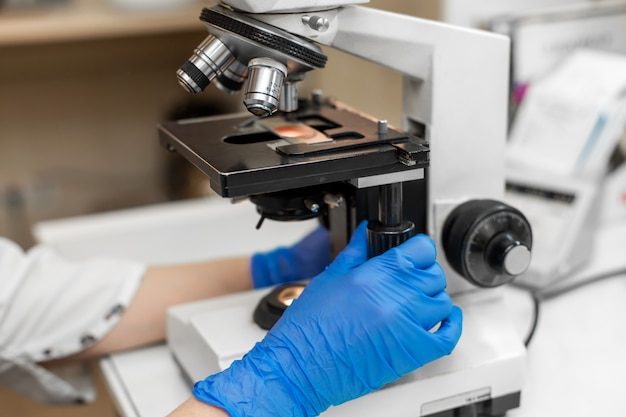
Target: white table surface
576,360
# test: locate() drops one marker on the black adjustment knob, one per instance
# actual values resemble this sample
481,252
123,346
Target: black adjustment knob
508,255
390,229
487,242
381,238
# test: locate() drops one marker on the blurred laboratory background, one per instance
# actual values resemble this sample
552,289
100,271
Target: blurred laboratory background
84,83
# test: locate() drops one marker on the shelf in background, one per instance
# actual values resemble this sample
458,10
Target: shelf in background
78,21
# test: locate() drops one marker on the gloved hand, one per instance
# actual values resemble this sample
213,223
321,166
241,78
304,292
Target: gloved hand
356,327
304,260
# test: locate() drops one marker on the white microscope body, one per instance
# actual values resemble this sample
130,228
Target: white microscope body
455,94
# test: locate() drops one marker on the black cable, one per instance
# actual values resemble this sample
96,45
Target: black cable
538,296
547,294
533,326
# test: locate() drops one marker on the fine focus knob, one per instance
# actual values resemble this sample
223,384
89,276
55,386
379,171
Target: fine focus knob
508,255
487,242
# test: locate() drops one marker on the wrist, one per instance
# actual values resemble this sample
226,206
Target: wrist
194,407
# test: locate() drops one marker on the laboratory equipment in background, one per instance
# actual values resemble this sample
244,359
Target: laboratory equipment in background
565,204
301,158
613,204
478,13
563,141
543,36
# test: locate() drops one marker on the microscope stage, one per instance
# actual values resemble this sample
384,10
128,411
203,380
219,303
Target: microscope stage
243,155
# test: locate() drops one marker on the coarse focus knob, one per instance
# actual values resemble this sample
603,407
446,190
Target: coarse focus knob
487,242
381,238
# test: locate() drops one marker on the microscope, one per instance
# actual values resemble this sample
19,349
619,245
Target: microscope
302,158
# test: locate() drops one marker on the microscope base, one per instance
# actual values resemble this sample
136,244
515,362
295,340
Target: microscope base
485,371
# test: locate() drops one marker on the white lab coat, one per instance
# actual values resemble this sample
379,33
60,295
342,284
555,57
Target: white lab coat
51,308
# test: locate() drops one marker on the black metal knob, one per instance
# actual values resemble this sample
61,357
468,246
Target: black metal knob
390,229
381,238
487,242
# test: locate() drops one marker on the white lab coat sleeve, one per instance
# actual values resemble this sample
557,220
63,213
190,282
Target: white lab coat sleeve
51,308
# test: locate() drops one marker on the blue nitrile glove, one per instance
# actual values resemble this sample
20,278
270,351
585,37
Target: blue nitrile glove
304,260
357,326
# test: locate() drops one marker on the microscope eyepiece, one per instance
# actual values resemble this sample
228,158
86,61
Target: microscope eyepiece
209,60
265,81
